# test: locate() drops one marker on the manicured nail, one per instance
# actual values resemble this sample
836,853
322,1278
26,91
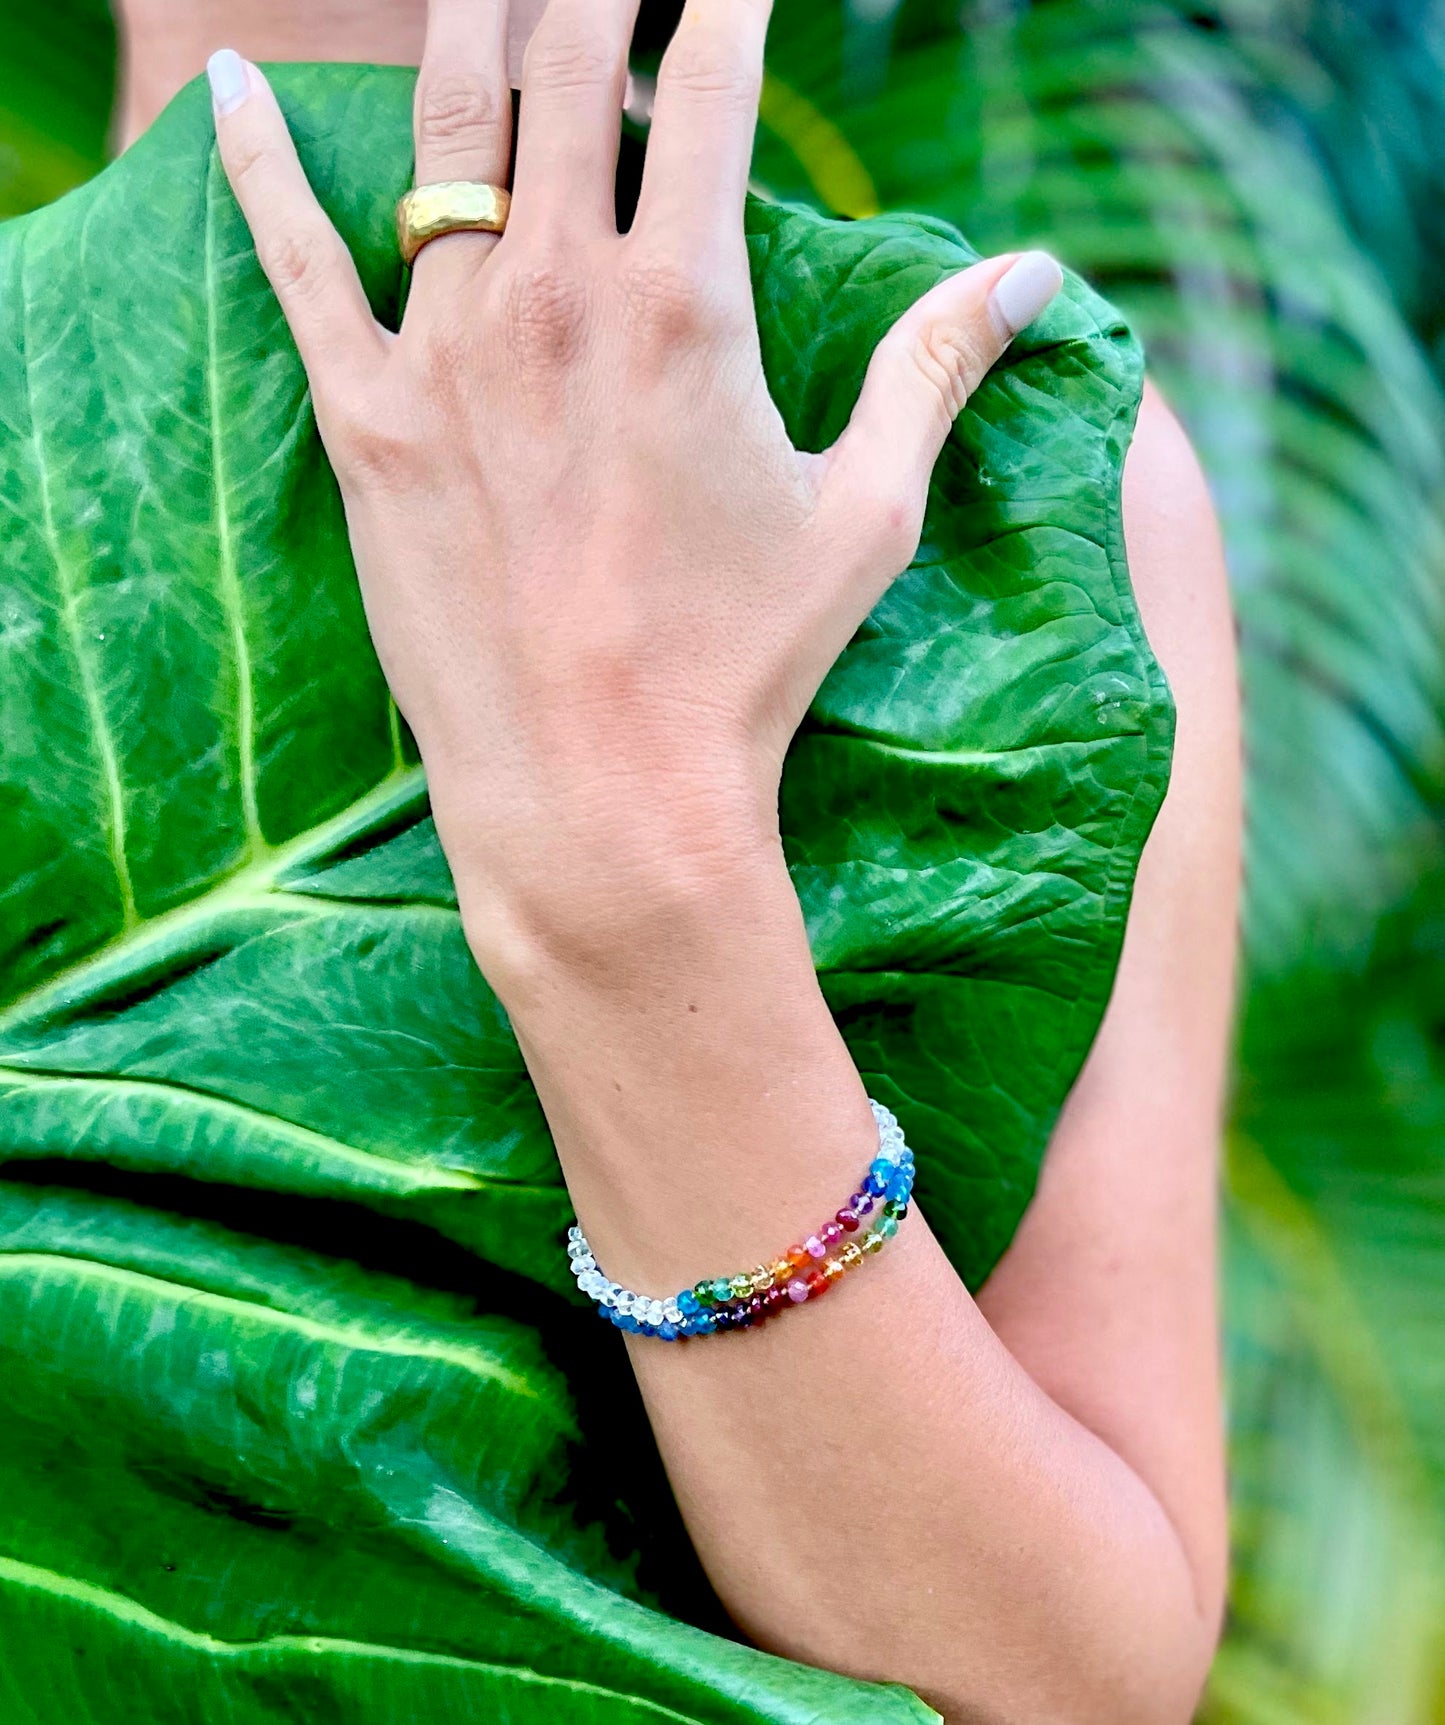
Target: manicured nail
229,83
1022,292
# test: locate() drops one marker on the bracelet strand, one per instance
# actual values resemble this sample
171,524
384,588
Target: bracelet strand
802,1273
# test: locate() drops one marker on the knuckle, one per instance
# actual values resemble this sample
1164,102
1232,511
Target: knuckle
245,158
560,62
546,309
952,358
456,108
368,437
665,301
706,65
293,262
445,356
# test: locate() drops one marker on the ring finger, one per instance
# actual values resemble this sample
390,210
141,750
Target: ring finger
463,119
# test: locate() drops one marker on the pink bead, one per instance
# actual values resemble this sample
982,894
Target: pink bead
816,1248
832,1233
797,1290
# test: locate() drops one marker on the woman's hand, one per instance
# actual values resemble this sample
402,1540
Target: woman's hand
603,584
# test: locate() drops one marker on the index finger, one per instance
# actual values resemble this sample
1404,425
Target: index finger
305,259
700,148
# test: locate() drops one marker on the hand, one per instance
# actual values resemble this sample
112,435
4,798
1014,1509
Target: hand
578,522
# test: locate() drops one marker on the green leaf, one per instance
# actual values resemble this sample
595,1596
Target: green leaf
299,1402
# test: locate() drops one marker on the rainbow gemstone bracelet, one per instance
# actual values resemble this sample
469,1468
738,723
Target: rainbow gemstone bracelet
802,1273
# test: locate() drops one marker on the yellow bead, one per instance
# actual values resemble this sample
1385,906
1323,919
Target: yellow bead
851,1255
874,1241
761,1278
781,1271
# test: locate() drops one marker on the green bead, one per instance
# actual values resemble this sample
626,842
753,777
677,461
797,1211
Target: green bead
875,1240
705,1294
893,1210
741,1287
888,1227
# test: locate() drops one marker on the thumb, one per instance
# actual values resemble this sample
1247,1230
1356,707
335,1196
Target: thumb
922,373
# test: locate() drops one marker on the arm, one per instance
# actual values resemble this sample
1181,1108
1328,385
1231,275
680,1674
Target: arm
1051,1540
603,719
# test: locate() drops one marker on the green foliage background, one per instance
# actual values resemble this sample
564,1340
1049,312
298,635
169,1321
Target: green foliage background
1258,184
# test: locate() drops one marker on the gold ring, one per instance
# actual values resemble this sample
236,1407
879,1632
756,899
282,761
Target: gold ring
449,207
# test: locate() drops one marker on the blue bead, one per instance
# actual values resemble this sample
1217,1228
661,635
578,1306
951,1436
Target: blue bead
704,1324
668,1332
687,1302
875,1185
880,1166
898,1189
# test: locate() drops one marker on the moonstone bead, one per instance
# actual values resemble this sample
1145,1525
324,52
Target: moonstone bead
815,1247
797,1291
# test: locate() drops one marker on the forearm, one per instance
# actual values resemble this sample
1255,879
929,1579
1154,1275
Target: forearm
874,1484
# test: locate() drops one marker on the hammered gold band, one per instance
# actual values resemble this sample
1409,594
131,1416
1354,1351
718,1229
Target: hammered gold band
449,207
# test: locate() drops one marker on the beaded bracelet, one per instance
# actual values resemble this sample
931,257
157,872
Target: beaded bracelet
802,1273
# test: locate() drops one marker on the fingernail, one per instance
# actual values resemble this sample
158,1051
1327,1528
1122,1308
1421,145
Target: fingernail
1022,292
229,84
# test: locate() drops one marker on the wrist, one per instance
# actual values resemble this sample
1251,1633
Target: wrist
604,899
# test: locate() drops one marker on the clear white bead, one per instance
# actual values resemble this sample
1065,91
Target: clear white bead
672,1312
626,1300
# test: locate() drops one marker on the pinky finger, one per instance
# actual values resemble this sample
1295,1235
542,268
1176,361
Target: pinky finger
305,259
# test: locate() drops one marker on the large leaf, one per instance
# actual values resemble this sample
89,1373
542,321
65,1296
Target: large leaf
242,1044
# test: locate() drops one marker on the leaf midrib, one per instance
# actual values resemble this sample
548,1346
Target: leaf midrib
391,792
123,1609
102,737
228,585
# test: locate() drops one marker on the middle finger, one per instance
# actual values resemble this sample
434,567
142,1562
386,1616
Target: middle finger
573,82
